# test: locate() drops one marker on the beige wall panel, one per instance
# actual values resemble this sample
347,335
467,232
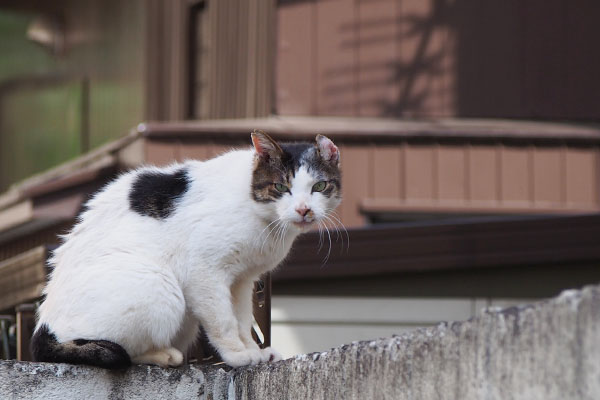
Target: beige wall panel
582,176
304,324
451,173
355,183
387,178
483,173
295,61
548,175
378,29
336,58
419,172
515,172
160,153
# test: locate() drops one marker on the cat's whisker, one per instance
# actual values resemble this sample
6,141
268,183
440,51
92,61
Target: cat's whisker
334,215
321,242
276,233
264,240
329,250
285,231
282,233
320,239
339,236
336,222
279,234
335,226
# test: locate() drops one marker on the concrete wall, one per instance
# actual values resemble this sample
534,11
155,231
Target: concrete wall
549,350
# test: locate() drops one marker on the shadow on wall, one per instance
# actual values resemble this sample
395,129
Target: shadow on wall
440,58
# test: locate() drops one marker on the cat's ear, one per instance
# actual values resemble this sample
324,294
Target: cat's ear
327,149
264,145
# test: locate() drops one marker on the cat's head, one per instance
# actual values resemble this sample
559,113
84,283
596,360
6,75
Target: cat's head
300,181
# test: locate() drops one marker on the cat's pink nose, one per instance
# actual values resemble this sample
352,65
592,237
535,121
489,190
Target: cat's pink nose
303,211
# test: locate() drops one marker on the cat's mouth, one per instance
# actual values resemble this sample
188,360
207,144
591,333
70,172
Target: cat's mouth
303,224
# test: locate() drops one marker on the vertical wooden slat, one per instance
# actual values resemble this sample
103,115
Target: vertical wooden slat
201,62
487,50
547,175
295,58
421,58
237,39
377,57
451,173
355,183
336,58
582,177
249,68
515,174
582,58
483,173
449,84
386,172
166,66
544,40
25,327
419,174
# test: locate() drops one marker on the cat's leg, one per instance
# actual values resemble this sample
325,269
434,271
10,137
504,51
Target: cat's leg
212,304
169,357
241,292
188,334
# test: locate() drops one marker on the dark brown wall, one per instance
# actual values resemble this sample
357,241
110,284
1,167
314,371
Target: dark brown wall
439,58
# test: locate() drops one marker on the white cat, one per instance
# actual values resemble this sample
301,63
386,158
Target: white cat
160,251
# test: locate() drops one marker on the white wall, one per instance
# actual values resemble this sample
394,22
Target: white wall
305,324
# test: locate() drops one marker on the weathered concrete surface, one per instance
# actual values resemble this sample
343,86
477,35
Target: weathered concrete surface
549,350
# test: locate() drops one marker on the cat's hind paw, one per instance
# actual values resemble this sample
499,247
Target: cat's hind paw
241,358
175,357
169,357
270,354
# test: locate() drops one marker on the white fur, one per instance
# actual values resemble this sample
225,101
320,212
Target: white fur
146,283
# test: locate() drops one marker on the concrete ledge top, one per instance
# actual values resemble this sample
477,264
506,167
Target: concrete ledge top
548,350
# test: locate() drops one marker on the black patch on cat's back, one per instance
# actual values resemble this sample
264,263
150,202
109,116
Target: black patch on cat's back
154,194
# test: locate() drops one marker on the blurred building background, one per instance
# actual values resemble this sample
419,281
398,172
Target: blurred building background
468,131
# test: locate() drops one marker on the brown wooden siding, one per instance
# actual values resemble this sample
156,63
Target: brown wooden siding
411,175
429,58
232,56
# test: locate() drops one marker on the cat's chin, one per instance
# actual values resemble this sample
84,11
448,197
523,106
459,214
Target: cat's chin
304,226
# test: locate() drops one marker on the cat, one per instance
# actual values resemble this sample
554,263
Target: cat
160,251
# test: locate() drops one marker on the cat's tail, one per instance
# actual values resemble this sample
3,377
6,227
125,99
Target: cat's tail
99,353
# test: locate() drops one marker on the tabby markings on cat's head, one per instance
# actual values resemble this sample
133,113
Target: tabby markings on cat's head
302,180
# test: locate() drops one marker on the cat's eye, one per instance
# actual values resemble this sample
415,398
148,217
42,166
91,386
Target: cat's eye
319,186
281,188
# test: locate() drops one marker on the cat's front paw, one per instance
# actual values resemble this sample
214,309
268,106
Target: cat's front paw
270,354
241,358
